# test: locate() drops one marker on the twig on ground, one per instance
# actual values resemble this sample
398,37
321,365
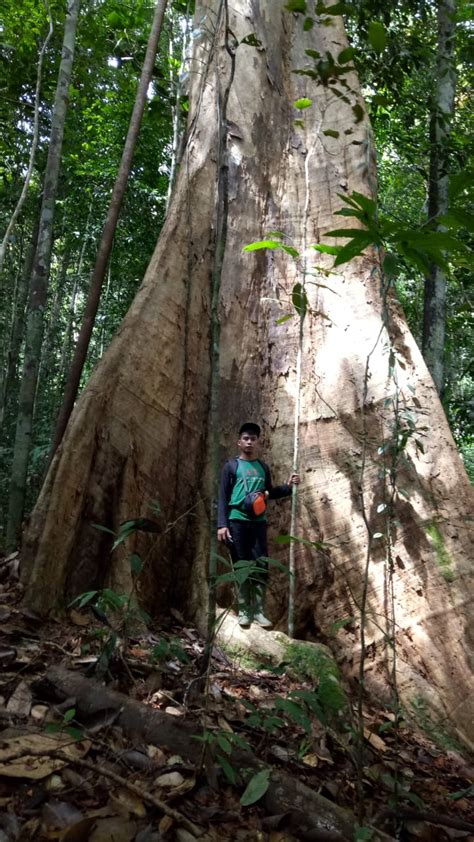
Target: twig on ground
118,779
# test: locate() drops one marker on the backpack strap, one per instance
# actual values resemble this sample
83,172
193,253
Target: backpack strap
233,468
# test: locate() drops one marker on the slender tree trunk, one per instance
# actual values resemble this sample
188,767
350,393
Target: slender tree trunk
8,377
34,144
434,315
47,367
105,245
39,283
141,428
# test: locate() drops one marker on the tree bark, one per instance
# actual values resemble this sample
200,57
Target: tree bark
9,375
140,429
39,283
434,305
105,245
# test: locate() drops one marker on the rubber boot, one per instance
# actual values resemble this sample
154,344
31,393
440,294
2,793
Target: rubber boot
245,615
259,616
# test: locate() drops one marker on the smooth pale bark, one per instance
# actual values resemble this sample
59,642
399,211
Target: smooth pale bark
108,232
434,306
139,431
39,284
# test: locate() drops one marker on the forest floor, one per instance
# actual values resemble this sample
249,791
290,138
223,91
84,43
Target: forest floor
78,765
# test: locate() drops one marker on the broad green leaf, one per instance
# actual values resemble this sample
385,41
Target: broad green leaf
223,743
298,6
458,218
228,770
295,711
84,598
377,36
256,788
326,249
300,300
290,250
308,24
70,714
76,733
103,528
283,319
262,244
337,9
303,103
364,202
331,133
114,20
349,232
275,235
346,55
251,40
353,249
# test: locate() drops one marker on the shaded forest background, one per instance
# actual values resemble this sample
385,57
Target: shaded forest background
395,51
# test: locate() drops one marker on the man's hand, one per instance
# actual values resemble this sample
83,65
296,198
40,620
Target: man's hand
294,479
223,534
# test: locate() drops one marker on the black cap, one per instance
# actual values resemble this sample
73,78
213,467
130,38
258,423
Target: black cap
250,427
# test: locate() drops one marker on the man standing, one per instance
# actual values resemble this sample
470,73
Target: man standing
239,526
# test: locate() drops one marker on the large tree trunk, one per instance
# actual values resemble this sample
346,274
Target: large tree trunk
139,431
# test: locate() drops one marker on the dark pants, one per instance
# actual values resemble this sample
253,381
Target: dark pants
249,543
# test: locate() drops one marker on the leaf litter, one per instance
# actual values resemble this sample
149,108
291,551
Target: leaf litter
75,778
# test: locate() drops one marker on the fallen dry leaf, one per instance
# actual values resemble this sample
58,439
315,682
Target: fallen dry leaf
21,700
32,767
79,619
165,825
114,830
375,740
311,760
128,802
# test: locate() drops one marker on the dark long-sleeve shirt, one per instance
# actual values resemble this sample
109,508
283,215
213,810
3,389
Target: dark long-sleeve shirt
227,483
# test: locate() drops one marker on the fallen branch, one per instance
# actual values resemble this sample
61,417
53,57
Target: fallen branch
412,815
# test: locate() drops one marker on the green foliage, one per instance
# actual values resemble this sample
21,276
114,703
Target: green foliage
220,744
303,103
166,650
256,788
109,56
65,727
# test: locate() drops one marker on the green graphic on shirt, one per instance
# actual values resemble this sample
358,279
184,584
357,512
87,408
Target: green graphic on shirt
254,474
